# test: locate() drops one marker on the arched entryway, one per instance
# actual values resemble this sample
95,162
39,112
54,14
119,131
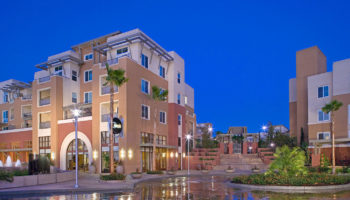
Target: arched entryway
83,156
67,152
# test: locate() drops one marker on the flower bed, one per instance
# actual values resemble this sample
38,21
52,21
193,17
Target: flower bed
313,179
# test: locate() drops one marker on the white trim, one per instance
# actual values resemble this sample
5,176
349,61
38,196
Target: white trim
38,97
44,132
80,119
330,146
165,117
322,86
318,117
39,119
88,96
91,75
149,112
325,132
16,130
67,140
10,113
24,106
89,54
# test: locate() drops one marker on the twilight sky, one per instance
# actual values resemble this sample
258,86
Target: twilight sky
239,55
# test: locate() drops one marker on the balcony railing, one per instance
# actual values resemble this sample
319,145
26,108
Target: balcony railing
44,102
27,97
86,111
44,125
104,117
114,60
107,89
44,79
26,125
27,115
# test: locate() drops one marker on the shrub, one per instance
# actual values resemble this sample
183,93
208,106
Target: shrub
303,180
137,171
288,162
20,172
6,176
113,176
154,172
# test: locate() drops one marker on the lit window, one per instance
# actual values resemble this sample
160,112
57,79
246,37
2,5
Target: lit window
74,75
74,97
178,78
144,61
88,57
322,116
323,136
88,76
178,98
88,97
145,86
145,112
161,71
162,117
323,91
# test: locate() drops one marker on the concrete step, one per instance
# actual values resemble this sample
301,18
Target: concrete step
240,167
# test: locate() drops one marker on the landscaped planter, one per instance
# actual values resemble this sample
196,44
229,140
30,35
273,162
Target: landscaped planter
136,176
255,170
171,172
230,170
46,178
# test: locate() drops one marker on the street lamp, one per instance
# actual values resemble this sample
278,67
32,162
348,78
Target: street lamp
272,144
264,128
188,138
76,114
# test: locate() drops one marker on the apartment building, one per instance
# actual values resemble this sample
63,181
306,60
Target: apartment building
312,88
75,79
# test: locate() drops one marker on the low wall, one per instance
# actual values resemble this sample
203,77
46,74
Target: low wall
22,181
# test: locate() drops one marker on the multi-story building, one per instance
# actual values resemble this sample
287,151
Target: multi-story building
312,88
154,132
204,128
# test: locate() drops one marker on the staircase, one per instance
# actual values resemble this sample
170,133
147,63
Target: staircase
240,162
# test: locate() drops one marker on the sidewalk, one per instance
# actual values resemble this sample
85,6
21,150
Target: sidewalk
92,183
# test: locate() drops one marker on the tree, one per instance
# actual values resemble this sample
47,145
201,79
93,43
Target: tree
288,162
331,107
114,78
158,95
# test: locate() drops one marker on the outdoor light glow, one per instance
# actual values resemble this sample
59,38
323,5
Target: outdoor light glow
250,148
122,153
176,155
183,155
272,144
264,128
210,129
188,136
163,154
171,155
129,154
52,155
95,155
76,112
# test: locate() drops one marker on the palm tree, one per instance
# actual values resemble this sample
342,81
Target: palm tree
331,107
114,78
158,94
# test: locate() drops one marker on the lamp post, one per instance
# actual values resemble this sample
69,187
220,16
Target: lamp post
76,114
188,138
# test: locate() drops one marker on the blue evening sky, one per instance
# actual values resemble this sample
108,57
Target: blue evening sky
239,55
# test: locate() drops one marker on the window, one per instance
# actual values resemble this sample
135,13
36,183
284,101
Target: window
44,97
179,119
179,141
45,146
58,70
323,91
186,100
74,97
161,71
87,97
161,140
89,56
178,98
146,138
178,78
162,117
323,116
145,86
74,75
12,114
105,138
122,51
323,136
5,116
6,97
5,128
145,112
144,61
88,76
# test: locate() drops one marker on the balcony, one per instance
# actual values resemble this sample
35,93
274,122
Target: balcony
27,116
105,117
26,125
43,102
27,97
114,60
44,79
86,110
107,90
44,125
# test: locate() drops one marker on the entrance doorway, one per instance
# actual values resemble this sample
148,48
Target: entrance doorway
83,156
161,158
147,158
237,147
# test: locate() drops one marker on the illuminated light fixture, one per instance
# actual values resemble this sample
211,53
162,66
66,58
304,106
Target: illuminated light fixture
272,144
171,155
76,112
122,153
129,154
264,128
210,129
95,155
250,148
176,155
52,155
183,155
163,154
